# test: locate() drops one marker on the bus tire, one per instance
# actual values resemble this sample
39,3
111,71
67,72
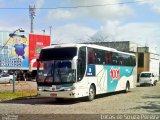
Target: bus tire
127,87
59,99
155,82
92,93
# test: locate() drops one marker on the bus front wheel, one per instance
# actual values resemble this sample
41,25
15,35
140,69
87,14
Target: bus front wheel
92,93
59,99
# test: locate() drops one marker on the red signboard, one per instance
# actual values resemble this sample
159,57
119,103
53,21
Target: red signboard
36,43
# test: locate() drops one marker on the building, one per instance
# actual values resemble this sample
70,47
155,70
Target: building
147,61
125,46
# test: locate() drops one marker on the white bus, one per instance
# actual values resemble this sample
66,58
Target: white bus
84,70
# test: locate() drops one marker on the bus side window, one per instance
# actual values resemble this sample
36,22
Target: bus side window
120,60
108,57
91,56
100,55
115,59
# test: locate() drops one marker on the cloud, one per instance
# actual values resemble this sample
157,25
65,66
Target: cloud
155,5
108,32
102,13
1,3
39,3
108,12
141,33
59,15
5,26
71,33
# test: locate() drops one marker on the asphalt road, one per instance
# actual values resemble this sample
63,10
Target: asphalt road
139,101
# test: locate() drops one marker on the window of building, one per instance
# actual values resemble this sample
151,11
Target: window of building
140,59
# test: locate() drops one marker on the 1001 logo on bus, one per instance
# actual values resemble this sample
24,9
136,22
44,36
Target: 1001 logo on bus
115,74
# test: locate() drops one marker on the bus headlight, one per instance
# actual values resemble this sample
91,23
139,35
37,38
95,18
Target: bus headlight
40,89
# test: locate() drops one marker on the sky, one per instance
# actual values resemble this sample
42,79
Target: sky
78,21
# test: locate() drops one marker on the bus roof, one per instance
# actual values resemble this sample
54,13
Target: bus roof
87,45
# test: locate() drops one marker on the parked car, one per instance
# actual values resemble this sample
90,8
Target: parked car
6,78
13,74
148,78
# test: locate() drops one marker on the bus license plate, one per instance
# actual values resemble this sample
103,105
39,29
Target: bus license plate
53,94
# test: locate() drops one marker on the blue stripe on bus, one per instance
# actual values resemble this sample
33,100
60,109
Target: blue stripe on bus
113,81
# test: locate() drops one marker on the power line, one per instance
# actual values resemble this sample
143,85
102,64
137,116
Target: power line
82,6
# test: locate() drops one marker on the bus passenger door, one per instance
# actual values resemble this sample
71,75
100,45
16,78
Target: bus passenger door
81,66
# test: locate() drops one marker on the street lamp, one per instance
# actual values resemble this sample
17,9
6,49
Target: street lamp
11,35
43,31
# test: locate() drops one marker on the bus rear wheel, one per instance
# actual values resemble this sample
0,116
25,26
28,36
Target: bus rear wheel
127,87
155,82
92,93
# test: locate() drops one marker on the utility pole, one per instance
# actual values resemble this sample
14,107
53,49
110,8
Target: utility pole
44,31
50,29
32,14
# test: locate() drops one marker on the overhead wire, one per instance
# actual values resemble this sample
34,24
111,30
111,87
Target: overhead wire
80,6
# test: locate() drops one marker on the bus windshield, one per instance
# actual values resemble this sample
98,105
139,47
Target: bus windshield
57,66
57,71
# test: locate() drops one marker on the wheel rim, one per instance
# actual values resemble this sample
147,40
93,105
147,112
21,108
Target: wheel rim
127,87
91,93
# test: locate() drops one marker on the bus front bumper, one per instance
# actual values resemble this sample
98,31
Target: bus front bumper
58,94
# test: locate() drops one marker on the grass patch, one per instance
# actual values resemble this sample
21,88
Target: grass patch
17,94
